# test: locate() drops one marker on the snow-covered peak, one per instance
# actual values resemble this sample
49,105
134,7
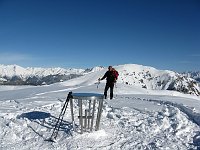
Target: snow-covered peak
98,68
95,69
143,77
11,70
195,75
151,78
140,68
15,70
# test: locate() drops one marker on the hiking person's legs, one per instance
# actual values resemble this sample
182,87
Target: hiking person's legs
105,90
111,90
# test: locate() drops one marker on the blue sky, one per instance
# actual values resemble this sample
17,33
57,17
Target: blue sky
164,34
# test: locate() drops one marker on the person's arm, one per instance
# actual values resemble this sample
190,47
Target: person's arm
105,75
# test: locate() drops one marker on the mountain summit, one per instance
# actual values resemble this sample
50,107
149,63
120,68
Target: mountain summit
151,78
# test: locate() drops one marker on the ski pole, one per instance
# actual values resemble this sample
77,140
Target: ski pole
98,84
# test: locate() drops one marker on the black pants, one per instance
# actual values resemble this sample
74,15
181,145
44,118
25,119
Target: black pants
111,86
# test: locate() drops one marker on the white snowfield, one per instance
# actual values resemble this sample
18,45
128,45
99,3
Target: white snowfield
136,119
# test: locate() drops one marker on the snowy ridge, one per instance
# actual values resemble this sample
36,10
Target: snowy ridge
15,70
195,75
16,75
151,78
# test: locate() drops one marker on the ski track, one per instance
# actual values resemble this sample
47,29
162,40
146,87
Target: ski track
193,116
26,123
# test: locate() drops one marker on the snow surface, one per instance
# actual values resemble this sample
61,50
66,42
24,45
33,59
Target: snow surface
136,118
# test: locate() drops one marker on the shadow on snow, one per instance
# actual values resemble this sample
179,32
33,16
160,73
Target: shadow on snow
46,120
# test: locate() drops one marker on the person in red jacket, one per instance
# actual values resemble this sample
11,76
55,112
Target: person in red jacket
111,77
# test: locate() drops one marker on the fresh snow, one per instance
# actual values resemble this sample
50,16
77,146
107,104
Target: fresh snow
136,118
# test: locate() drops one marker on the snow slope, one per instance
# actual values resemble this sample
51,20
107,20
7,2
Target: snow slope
138,118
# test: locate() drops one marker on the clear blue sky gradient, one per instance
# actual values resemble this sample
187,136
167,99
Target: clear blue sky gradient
164,34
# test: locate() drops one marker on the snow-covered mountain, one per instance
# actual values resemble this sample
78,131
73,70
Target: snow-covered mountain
15,70
16,75
195,75
130,74
151,78
145,77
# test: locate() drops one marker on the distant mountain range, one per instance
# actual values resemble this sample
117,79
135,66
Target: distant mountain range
195,75
131,74
16,75
151,78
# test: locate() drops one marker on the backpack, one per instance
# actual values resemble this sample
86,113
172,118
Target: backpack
115,74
